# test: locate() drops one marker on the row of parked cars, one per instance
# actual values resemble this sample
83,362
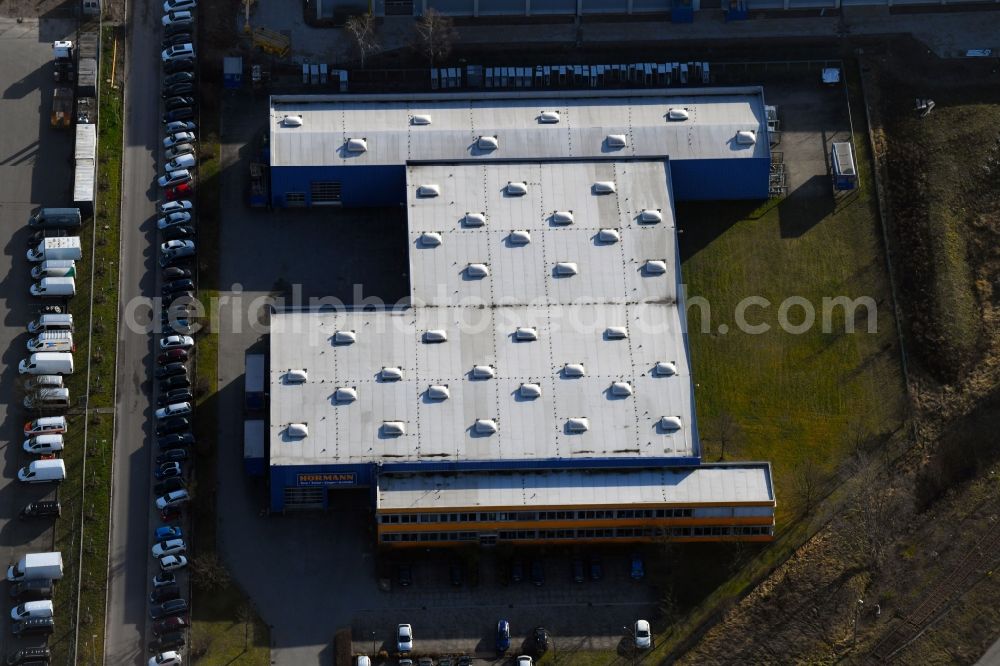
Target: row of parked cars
175,401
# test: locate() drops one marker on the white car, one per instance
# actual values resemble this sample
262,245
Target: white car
171,658
180,126
177,150
185,161
178,137
177,342
174,218
178,52
168,547
173,562
175,498
182,17
174,409
178,206
173,246
172,178
404,638
524,660
643,639
176,5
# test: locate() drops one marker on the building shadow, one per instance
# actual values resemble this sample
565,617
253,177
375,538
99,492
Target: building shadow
806,207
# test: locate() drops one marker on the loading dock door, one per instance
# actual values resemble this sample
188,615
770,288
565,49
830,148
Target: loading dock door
325,193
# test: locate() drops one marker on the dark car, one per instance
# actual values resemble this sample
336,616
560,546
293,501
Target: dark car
179,232
179,77
31,590
537,573
177,102
171,297
38,655
637,569
596,568
169,641
177,439
42,509
180,113
457,573
169,486
184,284
171,369
171,356
541,639
578,570
172,455
164,593
180,26
164,578
517,570
182,88
37,237
179,326
173,424
175,273
168,608
503,636
175,382
168,470
404,573
171,513
178,65
176,38
33,625
169,398
169,625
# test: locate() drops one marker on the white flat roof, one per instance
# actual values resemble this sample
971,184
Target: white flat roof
457,120
720,485
569,315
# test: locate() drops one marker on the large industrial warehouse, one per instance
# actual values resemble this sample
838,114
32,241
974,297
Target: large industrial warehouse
537,388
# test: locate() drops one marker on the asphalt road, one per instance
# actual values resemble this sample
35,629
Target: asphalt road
34,170
131,508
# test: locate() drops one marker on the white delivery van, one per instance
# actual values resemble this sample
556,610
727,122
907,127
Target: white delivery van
46,425
43,444
51,322
53,341
31,609
43,471
47,399
59,247
54,287
43,381
54,268
47,363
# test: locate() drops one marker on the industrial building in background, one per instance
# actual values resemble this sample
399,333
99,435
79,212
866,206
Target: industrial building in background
537,387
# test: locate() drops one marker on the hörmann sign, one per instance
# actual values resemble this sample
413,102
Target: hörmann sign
327,479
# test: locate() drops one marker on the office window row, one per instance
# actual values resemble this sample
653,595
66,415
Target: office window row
597,533
512,516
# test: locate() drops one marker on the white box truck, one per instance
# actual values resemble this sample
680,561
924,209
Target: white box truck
54,268
54,287
58,247
51,322
53,341
47,363
43,471
36,566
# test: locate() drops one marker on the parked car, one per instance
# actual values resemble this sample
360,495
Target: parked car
180,65
178,101
173,562
168,486
596,568
643,639
176,207
169,624
174,498
173,424
171,513
164,593
541,639
169,547
171,369
178,439
404,638
168,470
173,218
34,626
177,150
178,192
172,607
177,342
404,574
172,356
174,246
180,113
29,655
175,382
578,570
164,532
42,509
164,578
503,636
178,137
175,5
173,639
169,658
177,395
172,178
636,569
517,570
456,570
172,455
524,660
178,52
172,79
175,273
183,88
174,38
180,232
31,590
537,573
178,17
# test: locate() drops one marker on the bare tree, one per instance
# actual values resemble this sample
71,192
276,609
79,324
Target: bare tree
876,504
435,35
362,31
807,482
726,432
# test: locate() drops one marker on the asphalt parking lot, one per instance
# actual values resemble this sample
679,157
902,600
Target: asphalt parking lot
34,170
301,567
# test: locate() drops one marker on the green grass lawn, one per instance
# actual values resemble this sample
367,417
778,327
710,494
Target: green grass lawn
88,494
